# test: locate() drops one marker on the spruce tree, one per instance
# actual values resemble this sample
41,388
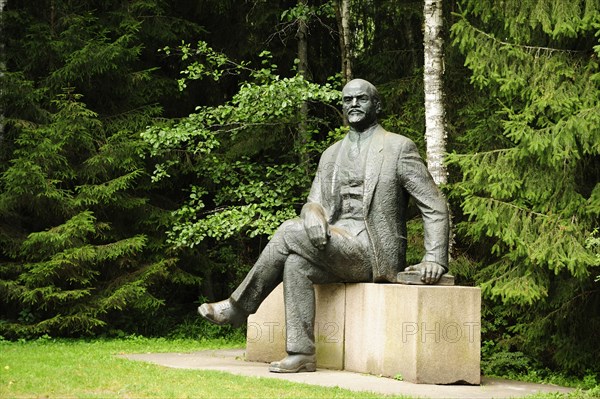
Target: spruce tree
529,190
82,246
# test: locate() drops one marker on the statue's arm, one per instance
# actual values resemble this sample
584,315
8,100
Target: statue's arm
313,213
417,180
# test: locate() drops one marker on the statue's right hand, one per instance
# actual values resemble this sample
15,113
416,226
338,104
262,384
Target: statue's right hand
316,226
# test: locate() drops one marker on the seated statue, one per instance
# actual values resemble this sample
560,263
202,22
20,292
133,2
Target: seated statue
351,229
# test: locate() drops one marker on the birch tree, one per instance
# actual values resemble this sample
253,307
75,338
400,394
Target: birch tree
435,133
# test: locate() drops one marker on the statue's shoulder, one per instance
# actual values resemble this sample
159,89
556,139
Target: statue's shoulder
395,139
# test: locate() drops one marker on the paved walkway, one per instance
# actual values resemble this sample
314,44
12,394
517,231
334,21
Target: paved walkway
232,361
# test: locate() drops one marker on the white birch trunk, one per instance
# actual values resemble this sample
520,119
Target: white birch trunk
435,131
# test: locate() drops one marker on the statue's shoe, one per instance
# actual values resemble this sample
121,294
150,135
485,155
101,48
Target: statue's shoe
294,364
223,312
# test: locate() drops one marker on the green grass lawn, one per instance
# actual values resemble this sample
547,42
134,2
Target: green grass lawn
89,369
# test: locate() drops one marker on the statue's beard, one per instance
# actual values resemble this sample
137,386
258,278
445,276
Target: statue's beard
361,120
356,117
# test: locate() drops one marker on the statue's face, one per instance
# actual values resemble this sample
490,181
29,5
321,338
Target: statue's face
358,105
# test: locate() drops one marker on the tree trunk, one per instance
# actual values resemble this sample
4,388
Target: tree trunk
302,35
342,9
347,61
435,132
2,66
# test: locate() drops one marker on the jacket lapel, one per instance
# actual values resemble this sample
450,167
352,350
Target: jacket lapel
335,180
373,166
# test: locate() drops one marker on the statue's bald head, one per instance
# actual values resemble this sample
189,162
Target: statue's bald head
365,85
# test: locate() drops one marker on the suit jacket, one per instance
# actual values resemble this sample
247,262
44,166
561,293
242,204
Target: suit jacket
394,171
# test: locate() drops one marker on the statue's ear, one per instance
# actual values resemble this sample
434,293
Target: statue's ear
378,107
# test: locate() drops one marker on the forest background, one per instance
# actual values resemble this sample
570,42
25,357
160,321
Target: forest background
149,148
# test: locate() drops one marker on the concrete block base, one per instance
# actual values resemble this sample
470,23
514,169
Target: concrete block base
422,334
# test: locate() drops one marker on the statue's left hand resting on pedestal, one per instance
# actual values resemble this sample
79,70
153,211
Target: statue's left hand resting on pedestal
431,272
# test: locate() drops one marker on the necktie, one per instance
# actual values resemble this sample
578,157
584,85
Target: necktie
354,151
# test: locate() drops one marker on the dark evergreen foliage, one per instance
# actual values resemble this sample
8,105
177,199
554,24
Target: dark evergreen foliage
80,224
529,190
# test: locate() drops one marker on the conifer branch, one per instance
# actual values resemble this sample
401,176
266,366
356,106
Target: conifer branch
567,303
525,210
538,49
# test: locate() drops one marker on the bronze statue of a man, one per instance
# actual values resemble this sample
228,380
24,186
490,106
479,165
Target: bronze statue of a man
351,229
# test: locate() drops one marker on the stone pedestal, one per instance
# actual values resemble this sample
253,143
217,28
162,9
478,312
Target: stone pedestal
423,334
